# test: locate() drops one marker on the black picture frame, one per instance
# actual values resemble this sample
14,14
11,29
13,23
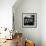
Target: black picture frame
29,20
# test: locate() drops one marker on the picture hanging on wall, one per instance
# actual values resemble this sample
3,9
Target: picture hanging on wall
29,20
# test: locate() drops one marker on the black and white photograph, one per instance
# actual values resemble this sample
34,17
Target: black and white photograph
29,20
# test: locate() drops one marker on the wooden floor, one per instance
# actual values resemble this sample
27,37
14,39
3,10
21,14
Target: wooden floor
8,43
15,41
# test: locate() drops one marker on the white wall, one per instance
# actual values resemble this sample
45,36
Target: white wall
6,13
43,22
31,6
28,6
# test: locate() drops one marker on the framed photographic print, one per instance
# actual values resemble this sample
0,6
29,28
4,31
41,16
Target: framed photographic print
29,20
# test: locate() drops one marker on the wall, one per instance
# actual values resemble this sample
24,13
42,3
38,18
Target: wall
6,16
28,6
6,13
43,22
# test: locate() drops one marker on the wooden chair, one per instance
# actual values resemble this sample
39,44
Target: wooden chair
29,43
